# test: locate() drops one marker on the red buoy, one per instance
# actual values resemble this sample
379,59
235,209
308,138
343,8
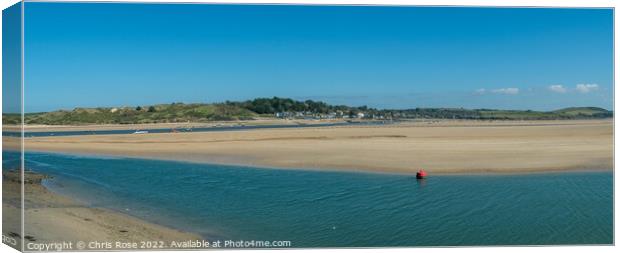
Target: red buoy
421,174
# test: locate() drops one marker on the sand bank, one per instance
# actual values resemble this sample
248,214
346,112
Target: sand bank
103,127
437,146
54,218
271,121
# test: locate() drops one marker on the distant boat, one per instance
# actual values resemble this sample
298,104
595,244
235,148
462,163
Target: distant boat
421,174
141,132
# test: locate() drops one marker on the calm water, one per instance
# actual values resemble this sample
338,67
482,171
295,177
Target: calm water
332,209
192,129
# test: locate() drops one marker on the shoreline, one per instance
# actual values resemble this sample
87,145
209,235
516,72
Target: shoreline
480,172
73,220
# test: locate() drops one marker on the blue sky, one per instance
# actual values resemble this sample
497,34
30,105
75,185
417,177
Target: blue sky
11,59
87,55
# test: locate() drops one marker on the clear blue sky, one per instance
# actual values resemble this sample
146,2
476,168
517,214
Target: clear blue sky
88,55
11,59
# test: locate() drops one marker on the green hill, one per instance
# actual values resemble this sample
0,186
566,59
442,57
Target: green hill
566,113
164,113
583,111
283,108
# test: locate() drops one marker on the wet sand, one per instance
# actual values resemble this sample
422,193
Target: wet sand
54,218
437,146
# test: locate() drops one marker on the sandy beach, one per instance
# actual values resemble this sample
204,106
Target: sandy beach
437,146
54,218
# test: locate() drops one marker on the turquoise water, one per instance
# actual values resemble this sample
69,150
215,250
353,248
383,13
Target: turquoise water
337,209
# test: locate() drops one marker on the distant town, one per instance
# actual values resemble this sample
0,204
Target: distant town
330,115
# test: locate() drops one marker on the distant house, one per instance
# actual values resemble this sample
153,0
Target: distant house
360,115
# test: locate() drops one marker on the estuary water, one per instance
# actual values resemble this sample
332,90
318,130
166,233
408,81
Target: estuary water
190,129
341,209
